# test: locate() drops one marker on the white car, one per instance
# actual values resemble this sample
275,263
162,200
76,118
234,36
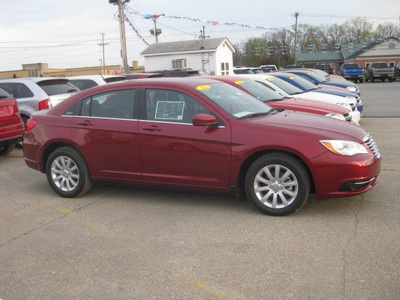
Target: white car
84,82
288,90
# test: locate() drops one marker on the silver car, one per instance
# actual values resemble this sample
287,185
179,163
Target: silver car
37,93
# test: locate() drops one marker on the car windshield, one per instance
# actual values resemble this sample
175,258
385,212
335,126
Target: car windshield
234,101
315,76
321,73
285,86
57,87
260,91
306,84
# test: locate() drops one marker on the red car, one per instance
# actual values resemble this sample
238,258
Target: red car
274,99
201,134
11,125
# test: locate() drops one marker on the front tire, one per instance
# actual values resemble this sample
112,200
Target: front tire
67,173
277,184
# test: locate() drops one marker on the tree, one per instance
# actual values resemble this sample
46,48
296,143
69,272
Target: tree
387,30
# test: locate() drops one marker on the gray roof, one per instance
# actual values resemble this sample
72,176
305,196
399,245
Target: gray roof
320,57
184,46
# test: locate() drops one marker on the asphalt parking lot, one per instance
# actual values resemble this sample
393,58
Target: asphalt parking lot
127,242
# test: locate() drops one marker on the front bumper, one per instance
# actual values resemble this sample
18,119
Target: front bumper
345,176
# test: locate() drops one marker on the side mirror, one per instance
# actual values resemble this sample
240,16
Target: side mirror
204,120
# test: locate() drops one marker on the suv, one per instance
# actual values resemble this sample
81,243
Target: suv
37,93
11,125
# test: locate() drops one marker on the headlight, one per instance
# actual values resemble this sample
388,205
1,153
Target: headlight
336,116
347,148
351,89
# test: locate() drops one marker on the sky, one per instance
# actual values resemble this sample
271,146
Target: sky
68,33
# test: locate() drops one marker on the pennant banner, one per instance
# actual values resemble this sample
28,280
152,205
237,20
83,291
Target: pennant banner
135,30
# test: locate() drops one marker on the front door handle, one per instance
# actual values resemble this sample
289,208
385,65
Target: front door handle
152,128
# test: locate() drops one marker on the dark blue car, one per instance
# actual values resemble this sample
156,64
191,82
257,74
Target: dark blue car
307,86
319,78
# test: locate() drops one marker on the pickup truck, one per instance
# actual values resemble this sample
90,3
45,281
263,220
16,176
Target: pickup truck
379,70
352,71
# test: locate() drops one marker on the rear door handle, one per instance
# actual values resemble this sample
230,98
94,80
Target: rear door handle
85,123
152,128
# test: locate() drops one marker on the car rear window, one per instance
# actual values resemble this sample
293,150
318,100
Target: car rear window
57,87
83,84
351,66
380,65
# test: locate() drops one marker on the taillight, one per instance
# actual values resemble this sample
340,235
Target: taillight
30,124
44,104
15,109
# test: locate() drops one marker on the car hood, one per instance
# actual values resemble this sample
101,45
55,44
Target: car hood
306,126
328,98
337,92
309,106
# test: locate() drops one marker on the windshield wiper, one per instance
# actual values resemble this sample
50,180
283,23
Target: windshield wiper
254,115
273,100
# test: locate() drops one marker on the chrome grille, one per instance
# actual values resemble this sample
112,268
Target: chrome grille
370,142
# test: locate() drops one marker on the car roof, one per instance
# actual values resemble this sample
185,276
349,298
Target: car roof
228,78
96,76
160,81
33,79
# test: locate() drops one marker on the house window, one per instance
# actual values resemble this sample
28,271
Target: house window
179,64
225,68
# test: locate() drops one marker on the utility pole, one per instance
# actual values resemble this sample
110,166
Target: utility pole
103,64
203,33
296,15
121,13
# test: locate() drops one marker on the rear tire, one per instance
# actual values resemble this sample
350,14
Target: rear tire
6,149
277,184
68,173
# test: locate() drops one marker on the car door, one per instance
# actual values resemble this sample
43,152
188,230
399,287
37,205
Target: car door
175,152
105,128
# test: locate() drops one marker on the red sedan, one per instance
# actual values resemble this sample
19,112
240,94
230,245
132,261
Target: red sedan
11,125
274,99
201,134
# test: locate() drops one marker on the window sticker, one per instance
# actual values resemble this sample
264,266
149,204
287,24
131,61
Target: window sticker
203,87
271,79
239,82
291,78
169,110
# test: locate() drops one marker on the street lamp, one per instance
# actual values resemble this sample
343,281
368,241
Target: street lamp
156,32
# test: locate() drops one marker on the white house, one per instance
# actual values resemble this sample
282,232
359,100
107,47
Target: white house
210,56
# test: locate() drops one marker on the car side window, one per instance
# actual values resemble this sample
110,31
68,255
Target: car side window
8,87
22,91
172,106
115,104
